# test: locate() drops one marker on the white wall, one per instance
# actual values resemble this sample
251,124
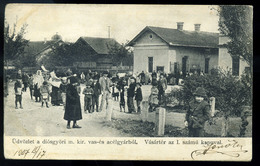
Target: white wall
159,54
154,47
196,56
225,61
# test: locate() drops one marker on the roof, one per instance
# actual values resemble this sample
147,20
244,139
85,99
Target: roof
100,45
36,47
175,37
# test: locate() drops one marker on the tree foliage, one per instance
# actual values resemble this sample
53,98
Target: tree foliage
14,42
59,55
236,22
120,54
230,92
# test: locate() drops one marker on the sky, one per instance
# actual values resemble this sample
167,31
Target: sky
125,21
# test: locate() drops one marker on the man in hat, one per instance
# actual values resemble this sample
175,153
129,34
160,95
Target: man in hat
138,96
105,84
162,86
130,95
73,107
97,91
197,114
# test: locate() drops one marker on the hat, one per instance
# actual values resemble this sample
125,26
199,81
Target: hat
200,92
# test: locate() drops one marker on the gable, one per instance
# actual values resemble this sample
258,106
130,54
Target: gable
149,38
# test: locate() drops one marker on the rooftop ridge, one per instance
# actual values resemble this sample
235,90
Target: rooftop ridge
97,37
206,32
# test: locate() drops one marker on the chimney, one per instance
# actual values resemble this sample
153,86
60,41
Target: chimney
197,27
180,25
45,40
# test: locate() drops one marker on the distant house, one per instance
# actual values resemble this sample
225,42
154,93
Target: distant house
42,48
238,66
169,50
98,51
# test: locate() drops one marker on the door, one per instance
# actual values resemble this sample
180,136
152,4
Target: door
150,64
207,65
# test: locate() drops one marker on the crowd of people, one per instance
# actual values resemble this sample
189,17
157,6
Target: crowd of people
65,89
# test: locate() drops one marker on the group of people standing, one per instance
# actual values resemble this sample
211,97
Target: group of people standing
66,90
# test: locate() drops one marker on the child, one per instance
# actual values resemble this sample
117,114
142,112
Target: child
115,92
153,98
138,96
44,90
197,114
88,92
18,92
97,91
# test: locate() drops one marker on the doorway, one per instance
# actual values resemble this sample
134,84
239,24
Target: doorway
207,65
184,65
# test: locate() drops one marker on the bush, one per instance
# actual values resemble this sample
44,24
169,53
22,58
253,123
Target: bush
230,92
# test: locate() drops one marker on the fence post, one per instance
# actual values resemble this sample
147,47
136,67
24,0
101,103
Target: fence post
160,121
144,111
109,110
212,106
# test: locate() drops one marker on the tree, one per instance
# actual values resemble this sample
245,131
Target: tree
14,43
236,22
60,55
120,54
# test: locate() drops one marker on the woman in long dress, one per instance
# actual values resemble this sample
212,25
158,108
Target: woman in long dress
73,107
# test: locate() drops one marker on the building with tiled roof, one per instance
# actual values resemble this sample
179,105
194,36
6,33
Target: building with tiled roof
98,49
170,50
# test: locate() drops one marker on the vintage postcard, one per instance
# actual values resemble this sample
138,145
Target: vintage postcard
128,82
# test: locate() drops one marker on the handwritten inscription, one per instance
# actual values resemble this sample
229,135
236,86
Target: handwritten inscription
36,153
232,149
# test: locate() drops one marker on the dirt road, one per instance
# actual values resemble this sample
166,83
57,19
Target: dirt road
33,120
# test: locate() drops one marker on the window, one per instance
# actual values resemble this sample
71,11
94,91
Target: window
235,65
150,64
160,68
151,36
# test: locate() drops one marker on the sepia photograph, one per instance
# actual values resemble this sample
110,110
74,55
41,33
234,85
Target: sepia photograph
119,76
